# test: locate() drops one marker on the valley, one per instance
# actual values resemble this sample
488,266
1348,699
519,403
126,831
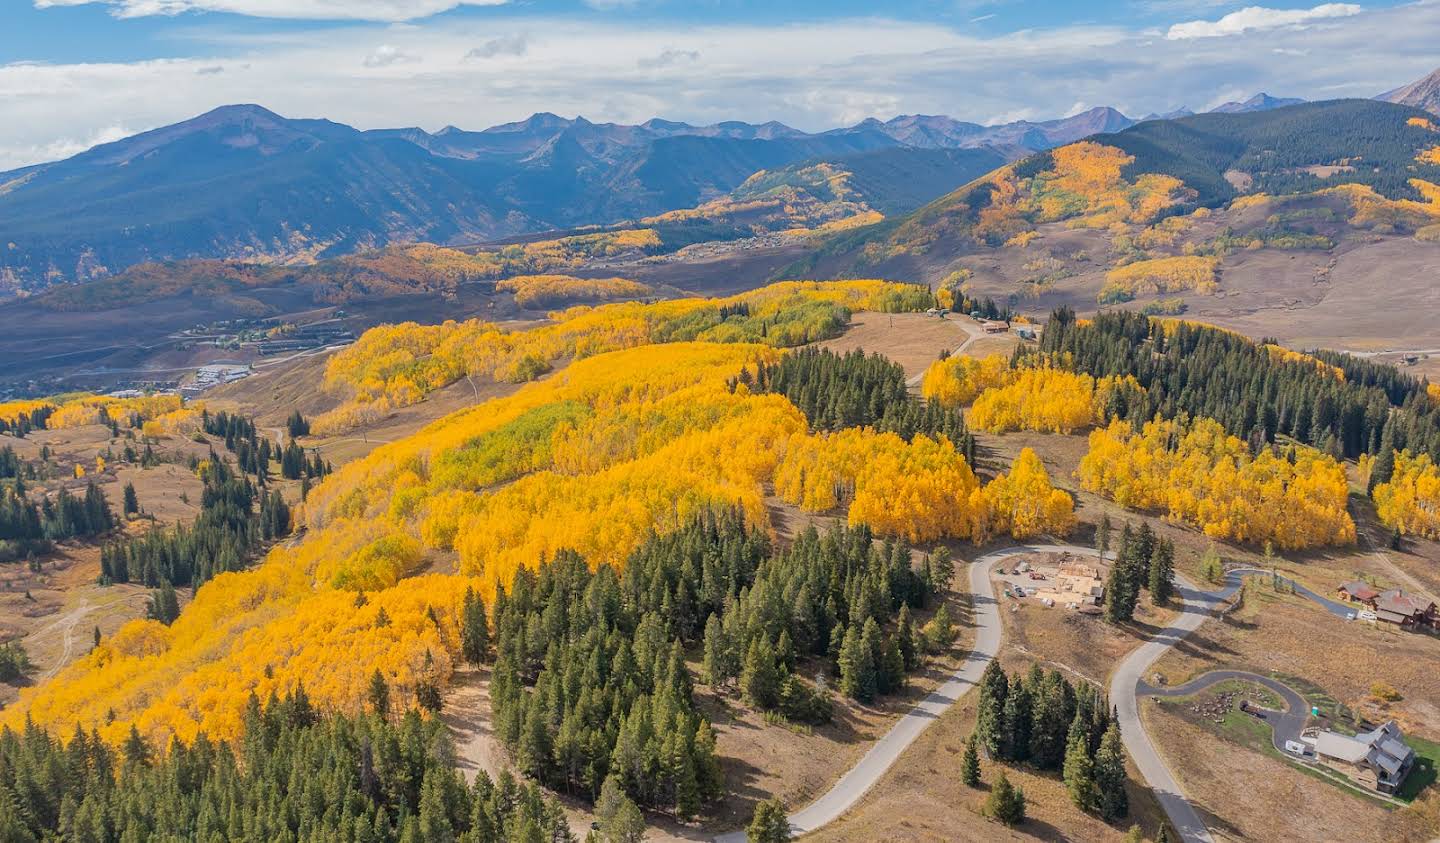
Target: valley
912,480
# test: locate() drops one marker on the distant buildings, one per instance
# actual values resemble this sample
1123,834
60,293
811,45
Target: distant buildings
1378,759
208,377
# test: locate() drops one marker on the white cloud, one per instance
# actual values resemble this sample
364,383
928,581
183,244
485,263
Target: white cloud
506,45
1253,18
63,147
813,77
372,10
669,57
388,54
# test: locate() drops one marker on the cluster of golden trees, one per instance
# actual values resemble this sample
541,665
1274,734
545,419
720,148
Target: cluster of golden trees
1193,471
1045,398
81,409
614,446
397,365
958,380
1177,274
545,291
1410,500
1281,354
1368,209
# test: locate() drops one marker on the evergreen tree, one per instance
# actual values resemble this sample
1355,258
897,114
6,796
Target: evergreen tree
164,604
1006,802
760,678
1079,771
717,658
131,501
1015,723
620,819
857,668
1110,776
943,568
970,763
769,824
1384,466
1052,708
1102,535
1162,572
989,723
379,695
474,628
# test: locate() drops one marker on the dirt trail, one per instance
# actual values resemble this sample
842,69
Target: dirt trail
467,715
65,626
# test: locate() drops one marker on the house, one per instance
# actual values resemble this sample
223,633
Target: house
1409,611
1358,591
993,327
1378,759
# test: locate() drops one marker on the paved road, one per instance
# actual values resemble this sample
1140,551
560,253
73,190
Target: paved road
1287,723
1336,608
853,785
973,332
1197,607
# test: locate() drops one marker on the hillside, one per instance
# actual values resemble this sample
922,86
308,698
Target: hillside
1161,168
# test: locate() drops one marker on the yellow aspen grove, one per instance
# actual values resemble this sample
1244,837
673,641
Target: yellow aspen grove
397,365
1045,399
1023,504
1197,474
956,381
1410,501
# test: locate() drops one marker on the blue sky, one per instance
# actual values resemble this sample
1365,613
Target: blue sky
76,72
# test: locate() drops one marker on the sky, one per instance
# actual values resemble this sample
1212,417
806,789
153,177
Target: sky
74,73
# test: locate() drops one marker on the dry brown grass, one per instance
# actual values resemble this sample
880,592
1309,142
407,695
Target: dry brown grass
913,340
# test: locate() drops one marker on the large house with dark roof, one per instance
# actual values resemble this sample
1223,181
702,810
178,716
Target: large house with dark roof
1394,606
1378,759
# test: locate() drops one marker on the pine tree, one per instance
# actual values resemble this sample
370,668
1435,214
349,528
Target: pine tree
1015,723
769,824
1051,712
620,819
1118,608
1079,771
474,628
1006,802
942,568
760,678
379,695
1384,467
1102,535
164,604
857,668
716,664
970,763
905,638
989,723
1110,776
131,501
1162,572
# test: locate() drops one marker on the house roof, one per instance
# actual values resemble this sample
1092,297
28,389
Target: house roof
1360,590
1401,603
1382,747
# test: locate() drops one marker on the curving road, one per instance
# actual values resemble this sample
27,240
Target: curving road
886,751
1196,607
1287,723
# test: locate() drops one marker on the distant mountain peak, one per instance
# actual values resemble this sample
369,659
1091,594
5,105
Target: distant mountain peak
1423,93
1260,102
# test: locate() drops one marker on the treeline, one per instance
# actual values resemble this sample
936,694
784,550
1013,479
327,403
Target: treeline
295,775
590,680
1205,371
1041,719
223,537
27,527
22,423
857,390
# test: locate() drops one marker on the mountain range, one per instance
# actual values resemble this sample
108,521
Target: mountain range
241,182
